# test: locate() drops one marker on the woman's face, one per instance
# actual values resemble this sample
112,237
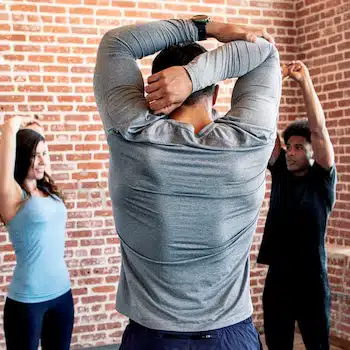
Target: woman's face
39,161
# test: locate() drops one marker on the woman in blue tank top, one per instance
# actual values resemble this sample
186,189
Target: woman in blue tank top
39,305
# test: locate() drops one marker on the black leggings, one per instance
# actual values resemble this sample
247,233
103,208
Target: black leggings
51,321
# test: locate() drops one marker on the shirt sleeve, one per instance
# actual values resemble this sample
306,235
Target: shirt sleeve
256,95
118,82
328,179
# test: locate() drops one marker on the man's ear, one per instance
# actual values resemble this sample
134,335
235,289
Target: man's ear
215,94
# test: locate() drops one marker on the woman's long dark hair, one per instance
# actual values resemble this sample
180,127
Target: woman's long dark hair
27,142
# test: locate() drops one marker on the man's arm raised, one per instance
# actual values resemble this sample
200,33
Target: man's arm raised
276,151
118,82
168,89
320,140
253,116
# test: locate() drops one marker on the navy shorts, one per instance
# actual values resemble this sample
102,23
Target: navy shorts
240,336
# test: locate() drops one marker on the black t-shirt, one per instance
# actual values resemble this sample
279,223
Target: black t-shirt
297,219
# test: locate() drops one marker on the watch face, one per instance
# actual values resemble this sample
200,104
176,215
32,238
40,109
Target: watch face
200,18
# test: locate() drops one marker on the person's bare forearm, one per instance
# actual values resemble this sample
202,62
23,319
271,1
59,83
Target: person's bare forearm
314,111
7,156
226,32
276,150
213,29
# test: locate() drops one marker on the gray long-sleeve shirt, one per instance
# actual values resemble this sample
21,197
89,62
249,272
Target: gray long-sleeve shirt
185,204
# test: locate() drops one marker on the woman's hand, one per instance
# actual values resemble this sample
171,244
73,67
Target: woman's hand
19,122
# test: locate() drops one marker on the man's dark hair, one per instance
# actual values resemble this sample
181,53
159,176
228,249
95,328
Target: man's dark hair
297,128
180,55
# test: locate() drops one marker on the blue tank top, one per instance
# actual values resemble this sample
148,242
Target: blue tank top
37,233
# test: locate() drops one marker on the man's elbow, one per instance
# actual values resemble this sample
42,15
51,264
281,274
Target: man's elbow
319,132
111,41
268,48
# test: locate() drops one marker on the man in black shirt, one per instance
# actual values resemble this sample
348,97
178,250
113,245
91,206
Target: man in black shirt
302,197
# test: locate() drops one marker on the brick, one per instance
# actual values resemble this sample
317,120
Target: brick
149,5
7,88
343,46
56,29
82,70
97,2
176,7
114,325
283,5
104,289
81,11
52,9
56,49
4,47
13,37
101,156
93,41
57,69
312,30
70,40
261,4
85,328
41,38
23,8
73,98
26,48
59,89
159,15
273,13
283,23
84,30
123,3
243,12
13,57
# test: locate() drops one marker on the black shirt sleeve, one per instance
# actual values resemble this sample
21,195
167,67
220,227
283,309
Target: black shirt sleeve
328,180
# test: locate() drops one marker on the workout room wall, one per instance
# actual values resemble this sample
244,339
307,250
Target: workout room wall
323,33
47,59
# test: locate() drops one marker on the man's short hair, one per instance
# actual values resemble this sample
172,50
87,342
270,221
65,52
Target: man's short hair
180,55
297,128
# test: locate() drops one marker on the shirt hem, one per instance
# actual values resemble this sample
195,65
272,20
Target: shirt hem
186,327
37,299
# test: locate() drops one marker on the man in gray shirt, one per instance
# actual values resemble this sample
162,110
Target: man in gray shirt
187,185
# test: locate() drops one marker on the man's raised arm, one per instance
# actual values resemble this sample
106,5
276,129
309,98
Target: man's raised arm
256,96
320,140
118,82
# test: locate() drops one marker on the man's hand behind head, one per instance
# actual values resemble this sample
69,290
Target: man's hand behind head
168,89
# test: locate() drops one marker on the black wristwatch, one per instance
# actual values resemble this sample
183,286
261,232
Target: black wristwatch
200,21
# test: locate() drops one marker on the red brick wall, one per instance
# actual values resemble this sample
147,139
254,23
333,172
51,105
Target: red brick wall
323,38
339,276
323,43
47,55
